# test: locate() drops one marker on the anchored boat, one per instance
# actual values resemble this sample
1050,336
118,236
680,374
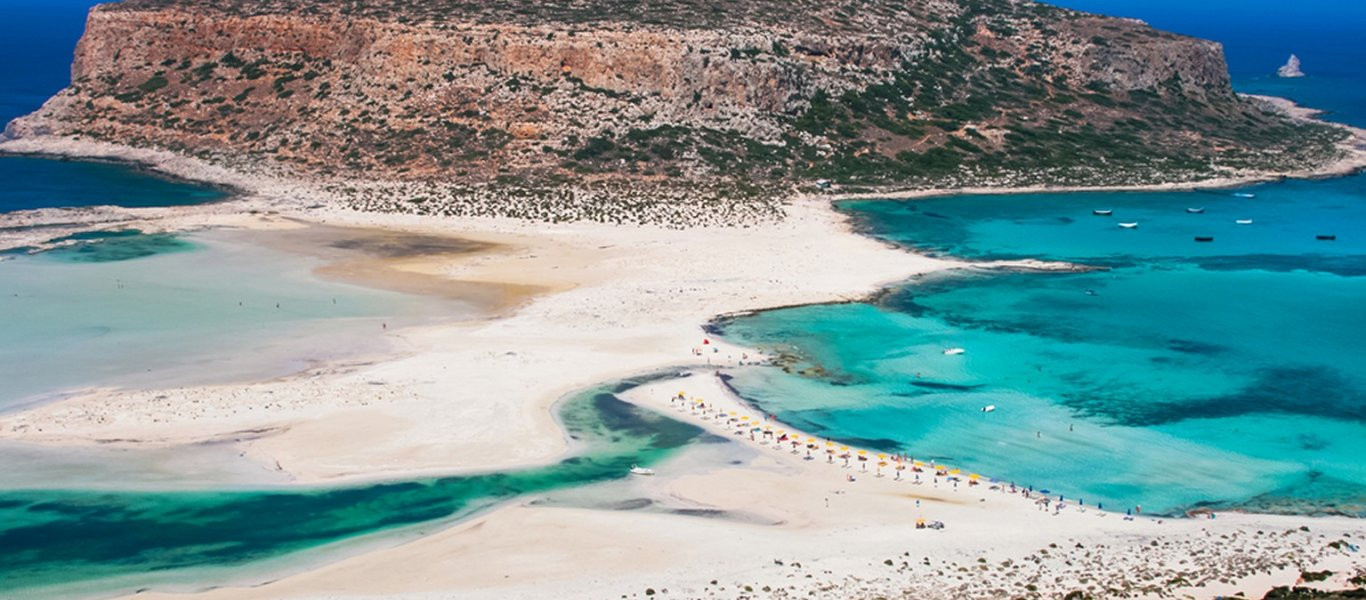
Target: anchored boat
1103,212
1195,211
1129,225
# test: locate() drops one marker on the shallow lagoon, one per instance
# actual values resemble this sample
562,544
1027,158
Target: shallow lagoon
208,307
81,542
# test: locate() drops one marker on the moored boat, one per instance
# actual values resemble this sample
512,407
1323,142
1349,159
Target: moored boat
1326,237
954,351
1204,238
1103,212
1245,195
635,470
1129,225
1244,221
1195,211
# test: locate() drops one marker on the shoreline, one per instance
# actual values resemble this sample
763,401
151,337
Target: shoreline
477,397
771,519
271,197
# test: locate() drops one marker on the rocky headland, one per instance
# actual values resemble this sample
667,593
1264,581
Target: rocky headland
668,112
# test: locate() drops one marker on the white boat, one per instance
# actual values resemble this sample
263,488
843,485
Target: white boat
1129,225
1245,195
1195,211
1103,212
989,408
954,351
1244,221
641,470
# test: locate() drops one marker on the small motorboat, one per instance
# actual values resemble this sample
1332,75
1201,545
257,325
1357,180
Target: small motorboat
1244,221
1195,211
989,408
1244,195
1326,238
1129,225
1090,292
635,470
1204,238
954,351
1103,212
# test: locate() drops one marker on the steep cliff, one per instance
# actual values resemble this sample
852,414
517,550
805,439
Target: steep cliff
664,94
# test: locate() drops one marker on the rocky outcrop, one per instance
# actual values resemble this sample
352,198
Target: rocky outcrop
1291,68
666,93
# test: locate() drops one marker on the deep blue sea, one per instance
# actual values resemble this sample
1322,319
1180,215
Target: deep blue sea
1225,373
35,62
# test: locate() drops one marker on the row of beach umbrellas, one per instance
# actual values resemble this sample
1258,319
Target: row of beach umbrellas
762,431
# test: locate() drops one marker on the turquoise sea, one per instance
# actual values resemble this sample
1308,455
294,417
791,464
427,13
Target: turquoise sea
1225,373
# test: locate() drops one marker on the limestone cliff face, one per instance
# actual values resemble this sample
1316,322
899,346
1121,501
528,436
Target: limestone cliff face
757,90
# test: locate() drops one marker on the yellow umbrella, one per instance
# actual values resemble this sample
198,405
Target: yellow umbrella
974,477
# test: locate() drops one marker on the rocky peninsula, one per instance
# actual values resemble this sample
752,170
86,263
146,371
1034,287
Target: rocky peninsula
671,113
